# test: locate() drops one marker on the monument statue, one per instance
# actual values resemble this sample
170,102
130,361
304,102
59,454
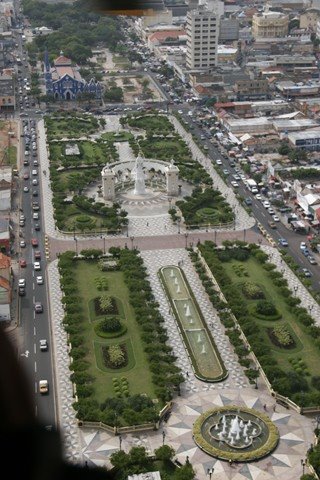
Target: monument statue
139,184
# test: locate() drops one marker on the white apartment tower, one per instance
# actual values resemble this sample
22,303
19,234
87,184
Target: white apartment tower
202,38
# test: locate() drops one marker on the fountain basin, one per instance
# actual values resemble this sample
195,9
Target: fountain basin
235,433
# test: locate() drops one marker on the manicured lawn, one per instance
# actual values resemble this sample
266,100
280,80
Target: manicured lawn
139,377
305,347
11,153
70,126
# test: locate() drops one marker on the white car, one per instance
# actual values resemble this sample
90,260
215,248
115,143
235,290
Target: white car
37,266
23,244
235,184
271,211
26,189
303,245
266,204
39,280
43,386
258,196
276,218
22,282
43,345
219,162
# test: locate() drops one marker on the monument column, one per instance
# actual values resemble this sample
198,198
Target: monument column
172,176
108,183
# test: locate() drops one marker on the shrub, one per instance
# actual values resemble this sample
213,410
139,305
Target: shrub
315,382
264,307
111,324
282,335
116,355
105,302
252,290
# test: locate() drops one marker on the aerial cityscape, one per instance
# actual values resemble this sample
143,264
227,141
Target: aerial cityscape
160,236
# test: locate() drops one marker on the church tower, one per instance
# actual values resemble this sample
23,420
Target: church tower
47,73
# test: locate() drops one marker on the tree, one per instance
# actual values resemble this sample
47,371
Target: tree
284,149
186,472
164,453
113,94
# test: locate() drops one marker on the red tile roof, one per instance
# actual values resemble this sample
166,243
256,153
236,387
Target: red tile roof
5,262
166,34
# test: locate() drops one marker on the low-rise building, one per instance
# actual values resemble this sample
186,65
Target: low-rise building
7,95
306,140
251,89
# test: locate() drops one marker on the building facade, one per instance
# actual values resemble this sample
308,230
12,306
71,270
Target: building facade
252,89
64,81
202,39
268,24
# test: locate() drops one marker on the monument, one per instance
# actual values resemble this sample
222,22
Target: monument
139,183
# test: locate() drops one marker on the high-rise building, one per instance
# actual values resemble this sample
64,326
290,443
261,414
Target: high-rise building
202,38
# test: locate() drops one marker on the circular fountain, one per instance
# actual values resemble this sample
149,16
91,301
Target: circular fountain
235,433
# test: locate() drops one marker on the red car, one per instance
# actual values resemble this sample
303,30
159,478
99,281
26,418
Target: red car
34,242
22,262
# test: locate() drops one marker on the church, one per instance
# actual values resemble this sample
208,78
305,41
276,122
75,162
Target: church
64,82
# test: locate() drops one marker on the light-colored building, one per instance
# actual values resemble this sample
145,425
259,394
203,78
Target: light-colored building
226,54
270,24
307,140
253,126
309,19
202,39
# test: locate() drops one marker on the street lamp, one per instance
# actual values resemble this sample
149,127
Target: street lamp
303,463
131,238
163,437
120,442
210,471
178,222
104,243
186,237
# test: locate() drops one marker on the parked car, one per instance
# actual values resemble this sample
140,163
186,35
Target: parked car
39,280
283,242
272,224
248,201
37,266
306,272
312,260
22,263
37,255
34,242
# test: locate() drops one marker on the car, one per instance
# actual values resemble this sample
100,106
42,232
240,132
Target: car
312,260
21,291
35,193
271,211
35,181
37,255
218,161
303,245
306,272
22,282
254,190
258,196
22,223
22,217
34,242
276,218
248,201
236,177
272,224
35,206
37,227
23,244
34,172
235,184
26,176
306,252
37,266
38,307
226,172
43,345
35,216
22,263
43,387
39,280
26,189
266,204
283,242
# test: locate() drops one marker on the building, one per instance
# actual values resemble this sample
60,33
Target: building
253,126
309,19
227,54
229,29
270,24
7,96
306,140
5,236
252,89
64,81
167,38
202,39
